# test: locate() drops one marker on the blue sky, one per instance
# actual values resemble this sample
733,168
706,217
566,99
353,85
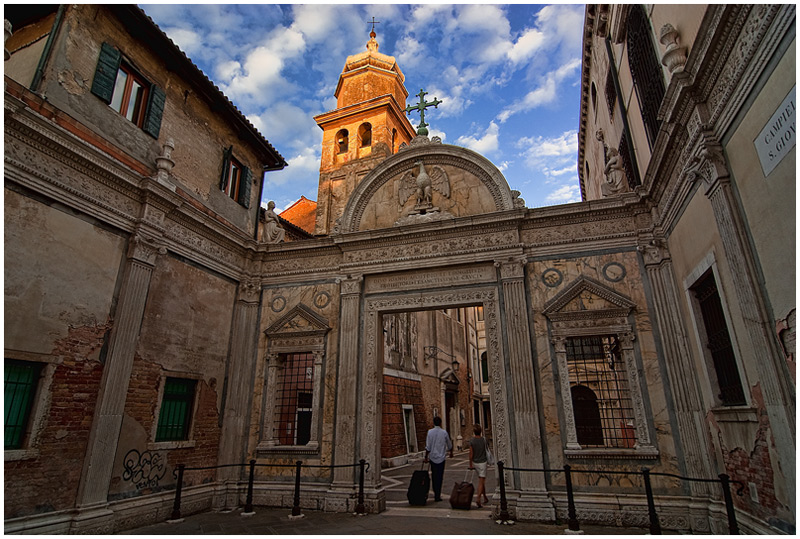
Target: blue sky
508,75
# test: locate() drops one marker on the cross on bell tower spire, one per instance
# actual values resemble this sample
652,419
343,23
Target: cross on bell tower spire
372,44
422,128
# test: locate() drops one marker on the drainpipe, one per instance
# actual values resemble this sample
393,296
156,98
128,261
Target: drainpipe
623,111
37,77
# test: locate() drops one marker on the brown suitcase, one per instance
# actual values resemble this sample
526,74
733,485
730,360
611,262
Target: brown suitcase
461,497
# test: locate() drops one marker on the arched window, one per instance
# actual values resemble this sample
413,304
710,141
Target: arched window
342,140
394,140
645,70
484,368
594,97
365,134
588,425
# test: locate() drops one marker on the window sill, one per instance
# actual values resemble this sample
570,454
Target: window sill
311,448
177,444
641,453
735,414
21,454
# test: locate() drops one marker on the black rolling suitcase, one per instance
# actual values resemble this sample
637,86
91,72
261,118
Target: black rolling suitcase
461,498
419,487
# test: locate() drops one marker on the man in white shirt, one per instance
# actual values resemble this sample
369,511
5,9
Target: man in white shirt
437,444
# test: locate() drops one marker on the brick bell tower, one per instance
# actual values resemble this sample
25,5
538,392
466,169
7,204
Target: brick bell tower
367,126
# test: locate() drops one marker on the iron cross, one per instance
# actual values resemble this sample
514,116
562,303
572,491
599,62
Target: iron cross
421,106
373,22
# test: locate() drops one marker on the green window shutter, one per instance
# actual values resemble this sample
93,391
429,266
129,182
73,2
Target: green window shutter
21,378
226,161
245,188
155,109
106,73
176,410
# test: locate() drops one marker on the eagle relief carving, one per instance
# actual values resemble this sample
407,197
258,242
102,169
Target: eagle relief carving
422,186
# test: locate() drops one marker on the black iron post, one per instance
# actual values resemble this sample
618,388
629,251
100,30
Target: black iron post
572,515
296,507
655,525
504,516
360,509
176,506
248,504
733,526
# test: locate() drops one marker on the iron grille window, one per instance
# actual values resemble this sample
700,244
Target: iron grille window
21,380
718,342
294,408
627,161
611,93
176,410
600,395
645,70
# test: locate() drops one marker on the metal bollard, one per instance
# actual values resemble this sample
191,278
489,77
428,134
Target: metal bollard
572,515
248,504
504,517
296,508
733,526
360,509
655,525
176,506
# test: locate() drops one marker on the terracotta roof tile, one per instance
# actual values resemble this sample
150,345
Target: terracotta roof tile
302,213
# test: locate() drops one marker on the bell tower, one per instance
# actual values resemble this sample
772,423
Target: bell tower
368,125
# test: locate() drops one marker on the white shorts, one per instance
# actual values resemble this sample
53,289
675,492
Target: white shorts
480,467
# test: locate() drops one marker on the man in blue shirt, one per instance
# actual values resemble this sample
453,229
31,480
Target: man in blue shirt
437,445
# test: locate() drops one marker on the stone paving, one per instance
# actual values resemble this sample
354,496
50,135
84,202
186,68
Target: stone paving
436,518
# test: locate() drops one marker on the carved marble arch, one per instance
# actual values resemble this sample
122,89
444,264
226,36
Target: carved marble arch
299,331
588,308
371,365
432,154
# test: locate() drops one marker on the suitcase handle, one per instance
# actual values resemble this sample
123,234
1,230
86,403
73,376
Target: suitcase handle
470,473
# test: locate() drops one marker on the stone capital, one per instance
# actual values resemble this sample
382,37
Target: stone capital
351,285
653,251
145,249
249,291
707,164
560,344
512,267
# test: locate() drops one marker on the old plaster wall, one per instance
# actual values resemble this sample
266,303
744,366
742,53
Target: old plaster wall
543,286
323,299
769,203
468,196
52,318
185,334
200,136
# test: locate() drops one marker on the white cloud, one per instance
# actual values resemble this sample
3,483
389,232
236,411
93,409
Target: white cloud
189,41
545,94
565,194
486,143
302,167
287,122
527,44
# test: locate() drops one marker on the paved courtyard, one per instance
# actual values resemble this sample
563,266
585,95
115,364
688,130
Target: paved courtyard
436,518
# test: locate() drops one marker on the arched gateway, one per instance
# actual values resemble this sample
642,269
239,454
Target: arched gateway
547,280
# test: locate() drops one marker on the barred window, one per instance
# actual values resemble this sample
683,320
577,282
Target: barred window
21,381
645,70
627,161
611,93
601,400
176,410
294,408
718,341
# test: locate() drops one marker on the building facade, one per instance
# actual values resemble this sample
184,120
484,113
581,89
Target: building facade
151,321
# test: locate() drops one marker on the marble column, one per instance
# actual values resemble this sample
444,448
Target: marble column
107,422
268,435
240,380
528,439
776,389
347,420
560,346
686,401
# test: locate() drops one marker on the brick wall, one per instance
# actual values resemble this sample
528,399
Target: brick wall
396,392
52,476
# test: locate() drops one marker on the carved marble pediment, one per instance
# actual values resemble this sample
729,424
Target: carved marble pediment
585,295
299,320
449,377
427,182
